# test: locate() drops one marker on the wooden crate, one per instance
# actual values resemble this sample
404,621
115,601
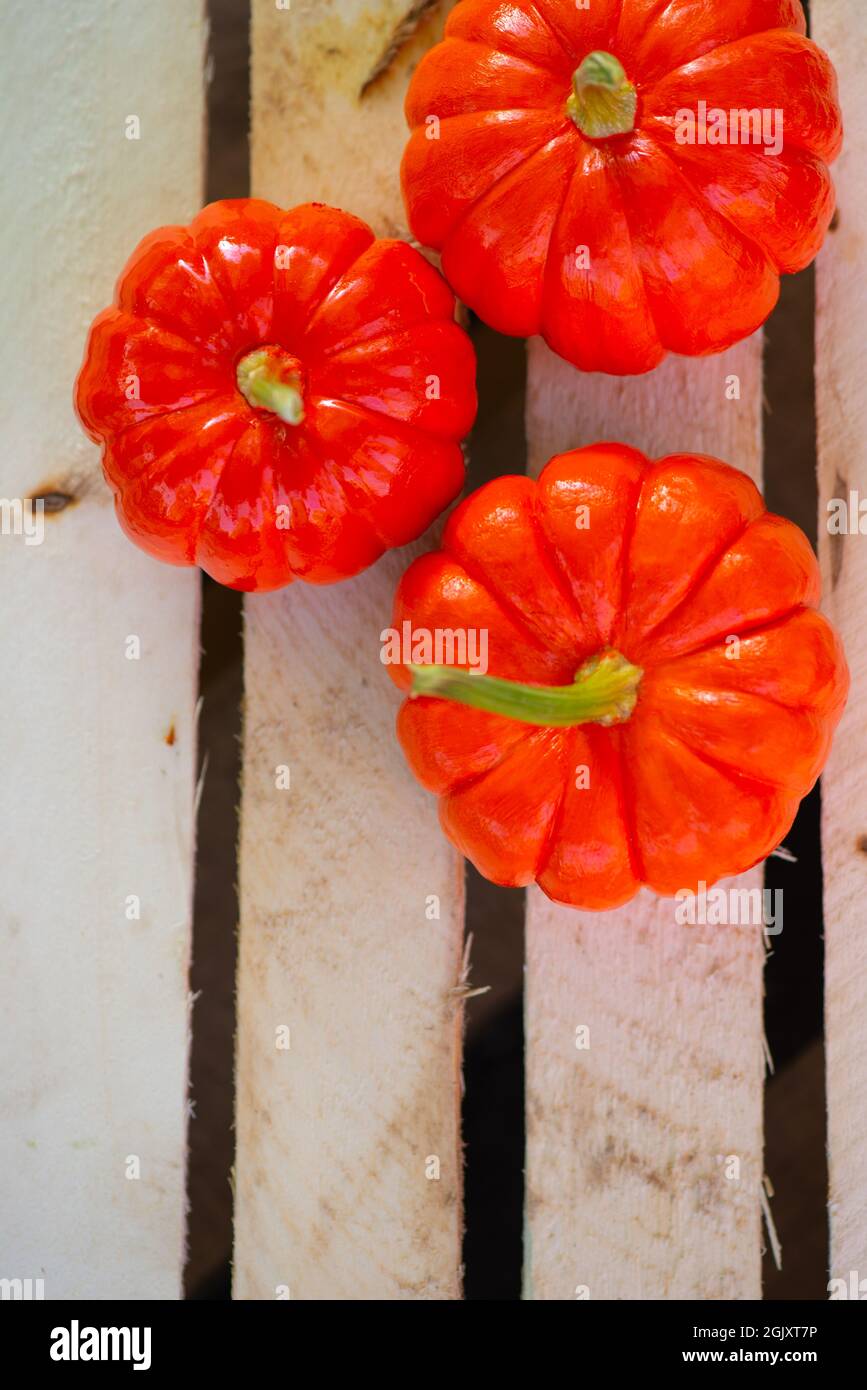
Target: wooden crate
348,1179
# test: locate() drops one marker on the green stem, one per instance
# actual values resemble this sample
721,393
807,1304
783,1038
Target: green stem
603,100
604,692
269,379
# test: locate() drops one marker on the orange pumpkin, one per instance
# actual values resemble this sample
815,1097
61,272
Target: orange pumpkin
660,691
608,176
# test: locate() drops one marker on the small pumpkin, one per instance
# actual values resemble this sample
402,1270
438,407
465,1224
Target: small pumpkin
279,394
553,165
660,690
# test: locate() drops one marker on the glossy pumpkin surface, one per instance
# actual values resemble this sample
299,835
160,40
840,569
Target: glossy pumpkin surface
619,247
678,566
279,395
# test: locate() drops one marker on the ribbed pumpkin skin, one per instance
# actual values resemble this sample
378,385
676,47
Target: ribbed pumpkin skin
618,250
203,477
677,565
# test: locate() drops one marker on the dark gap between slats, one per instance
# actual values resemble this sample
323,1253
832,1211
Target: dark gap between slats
211,1137
795,1156
493,1108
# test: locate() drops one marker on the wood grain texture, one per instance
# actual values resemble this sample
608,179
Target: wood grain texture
97,750
319,128
627,1195
340,1137
841,322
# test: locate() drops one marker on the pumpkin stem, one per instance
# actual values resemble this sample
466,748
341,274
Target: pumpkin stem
269,378
603,100
604,691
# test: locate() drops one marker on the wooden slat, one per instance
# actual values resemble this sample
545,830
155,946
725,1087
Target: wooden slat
97,750
840,26
627,1195
336,1136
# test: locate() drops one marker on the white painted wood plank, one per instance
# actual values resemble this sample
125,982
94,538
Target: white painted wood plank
840,26
335,1136
337,132
96,798
626,1191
